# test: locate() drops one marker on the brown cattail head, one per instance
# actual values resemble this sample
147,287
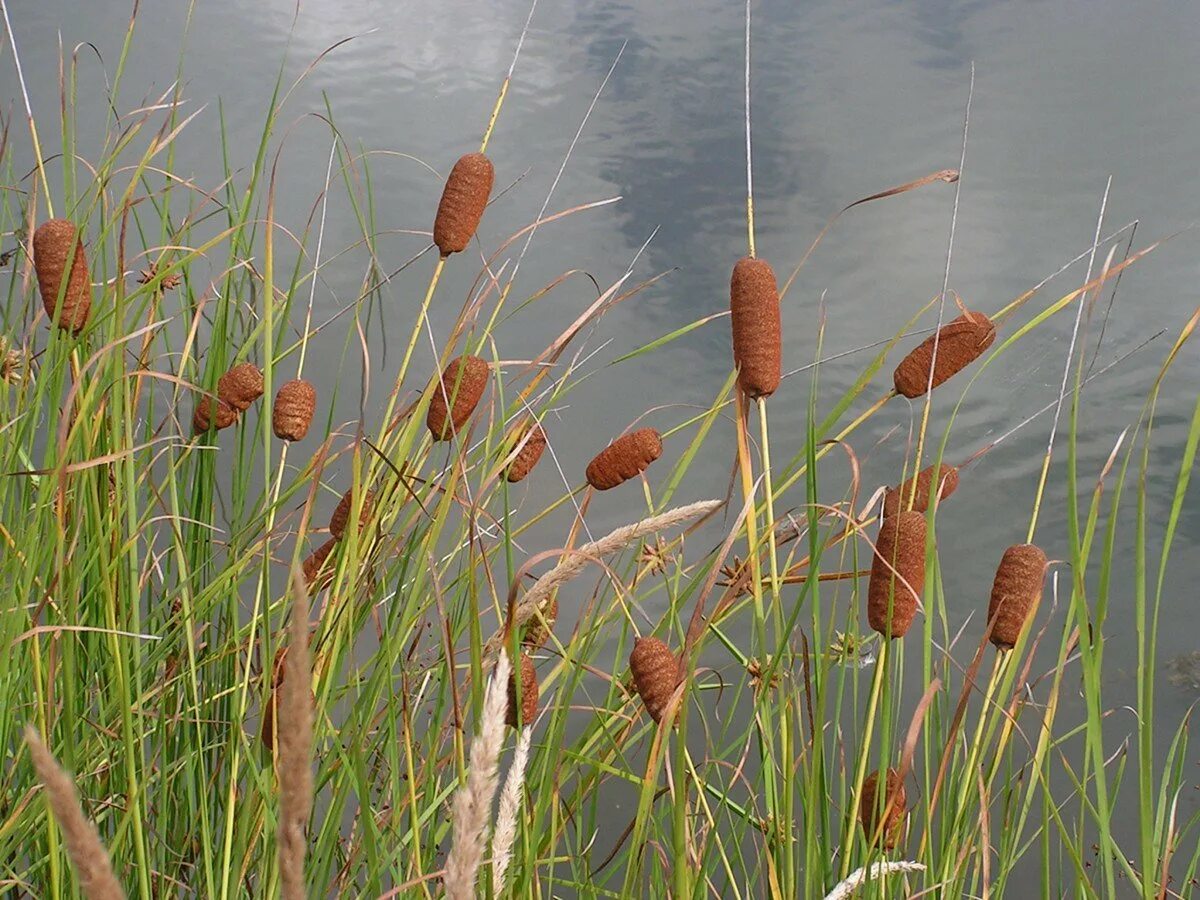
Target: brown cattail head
241,386
538,629
527,457
655,674
757,333
203,417
886,813
626,457
959,343
464,199
898,498
1016,592
295,403
529,694
53,245
900,546
278,673
341,515
313,566
462,383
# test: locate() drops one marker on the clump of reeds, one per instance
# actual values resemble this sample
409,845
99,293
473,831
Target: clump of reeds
456,395
898,498
528,706
959,343
241,386
89,859
341,515
295,403
204,417
884,815
626,457
313,566
1016,592
655,674
757,331
529,454
57,248
464,199
897,574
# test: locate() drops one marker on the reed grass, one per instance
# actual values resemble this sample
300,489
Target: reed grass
152,571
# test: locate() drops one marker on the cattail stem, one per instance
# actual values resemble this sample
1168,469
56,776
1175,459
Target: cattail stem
772,549
864,753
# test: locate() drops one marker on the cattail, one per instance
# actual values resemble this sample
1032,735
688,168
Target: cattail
313,566
959,343
241,386
278,673
655,674
884,814
625,458
1016,591
537,632
527,457
529,694
295,403
341,515
898,497
53,243
464,199
900,546
757,333
202,416
462,383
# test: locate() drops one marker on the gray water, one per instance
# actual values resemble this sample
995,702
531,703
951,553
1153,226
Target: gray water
848,98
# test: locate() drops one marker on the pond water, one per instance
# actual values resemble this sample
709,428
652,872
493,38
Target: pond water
848,98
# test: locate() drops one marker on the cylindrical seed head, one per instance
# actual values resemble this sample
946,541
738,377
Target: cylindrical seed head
295,403
900,546
757,332
898,497
203,417
888,811
626,457
316,574
529,694
538,629
53,244
241,386
464,199
527,457
341,515
462,383
655,674
1016,592
959,343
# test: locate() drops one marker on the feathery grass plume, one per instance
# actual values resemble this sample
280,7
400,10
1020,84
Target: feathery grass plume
53,243
626,457
202,416
463,383
572,564
341,515
541,625
295,748
88,856
655,674
241,386
896,498
844,890
527,457
887,812
464,199
528,706
1016,592
757,331
295,403
508,812
959,343
897,574
473,801
313,565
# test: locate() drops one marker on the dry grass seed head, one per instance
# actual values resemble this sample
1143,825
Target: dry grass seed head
464,198
900,546
1016,592
295,403
53,243
959,343
626,457
757,330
